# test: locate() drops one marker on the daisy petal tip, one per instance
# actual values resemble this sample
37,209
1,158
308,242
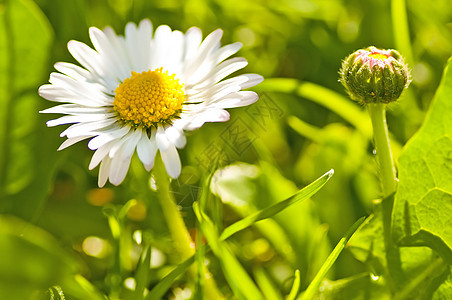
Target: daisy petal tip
145,22
148,167
257,79
224,116
101,184
253,98
218,32
175,175
114,182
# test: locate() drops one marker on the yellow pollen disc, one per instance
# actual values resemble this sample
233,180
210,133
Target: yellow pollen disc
149,98
379,56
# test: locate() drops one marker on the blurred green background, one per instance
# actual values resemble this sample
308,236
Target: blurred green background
302,127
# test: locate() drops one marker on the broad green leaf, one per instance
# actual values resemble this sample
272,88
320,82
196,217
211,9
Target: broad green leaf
422,284
445,289
269,212
423,202
26,154
315,284
421,268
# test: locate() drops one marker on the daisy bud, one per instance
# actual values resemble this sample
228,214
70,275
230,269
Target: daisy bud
373,75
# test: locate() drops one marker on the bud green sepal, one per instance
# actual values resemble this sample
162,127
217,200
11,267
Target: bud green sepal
372,75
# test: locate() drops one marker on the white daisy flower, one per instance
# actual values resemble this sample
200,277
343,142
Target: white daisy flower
142,91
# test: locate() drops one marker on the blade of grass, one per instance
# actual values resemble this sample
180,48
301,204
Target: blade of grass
272,210
163,285
315,283
295,287
266,285
238,279
142,273
85,289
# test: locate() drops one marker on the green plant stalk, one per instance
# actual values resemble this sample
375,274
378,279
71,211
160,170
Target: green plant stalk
377,112
179,232
388,179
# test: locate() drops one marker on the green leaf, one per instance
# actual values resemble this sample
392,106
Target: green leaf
27,159
423,202
420,266
445,289
272,210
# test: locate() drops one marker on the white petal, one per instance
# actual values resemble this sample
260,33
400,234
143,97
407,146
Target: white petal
79,118
160,46
104,171
73,109
111,63
226,51
161,139
173,61
72,141
176,136
210,43
92,61
80,88
146,150
193,38
138,44
207,93
219,72
119,53
131,143
108,136
86,128
100,155
73,71
208,115
171,160
86,56
59,94
242,98
119,167
253,79
212,60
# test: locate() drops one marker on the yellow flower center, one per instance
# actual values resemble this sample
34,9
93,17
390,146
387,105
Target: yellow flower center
149,98
379,56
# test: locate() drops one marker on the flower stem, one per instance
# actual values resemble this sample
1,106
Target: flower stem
388,181
182,240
